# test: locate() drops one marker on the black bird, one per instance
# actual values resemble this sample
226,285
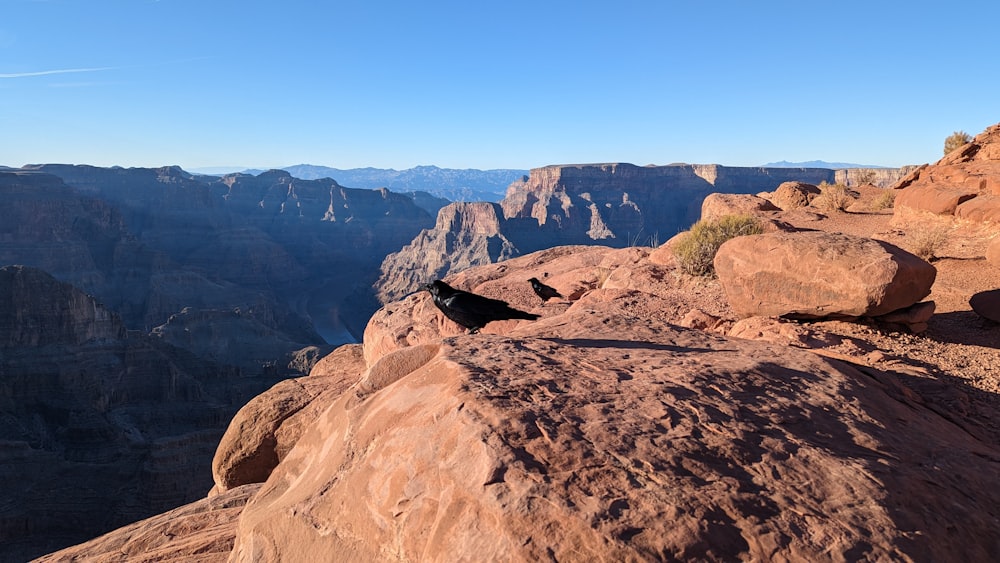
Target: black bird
546,292
470,310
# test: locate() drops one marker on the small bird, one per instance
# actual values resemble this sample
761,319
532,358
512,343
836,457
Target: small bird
544,291
470,310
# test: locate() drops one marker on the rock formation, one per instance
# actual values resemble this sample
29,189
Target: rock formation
306,251
818,274
609,204
987,304
466,234
450,183
202,531
601,431
993,252
878,177
793,195
964,184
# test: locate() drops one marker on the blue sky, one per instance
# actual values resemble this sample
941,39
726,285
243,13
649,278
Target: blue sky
512,84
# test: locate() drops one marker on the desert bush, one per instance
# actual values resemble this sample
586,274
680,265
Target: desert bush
955,140
833,197
928,242
696,251
602,273
884,201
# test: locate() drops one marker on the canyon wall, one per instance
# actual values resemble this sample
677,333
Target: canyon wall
615,204
101,426
297,252
188,296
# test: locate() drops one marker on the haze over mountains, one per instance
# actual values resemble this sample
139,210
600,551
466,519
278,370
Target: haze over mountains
819,164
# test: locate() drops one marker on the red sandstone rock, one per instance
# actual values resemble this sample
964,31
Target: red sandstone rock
267,427
986,304
592,435
984,208
201,532
348,358
940,200
793,195
817,274
604,431
953,185
718,205
914,318
993,252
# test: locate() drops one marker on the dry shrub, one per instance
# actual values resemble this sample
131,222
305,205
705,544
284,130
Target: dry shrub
884,201
928,242
602,274
833,197
696,251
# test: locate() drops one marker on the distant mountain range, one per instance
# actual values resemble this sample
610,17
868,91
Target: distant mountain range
449,183
819,164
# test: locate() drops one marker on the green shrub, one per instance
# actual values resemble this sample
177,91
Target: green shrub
696,251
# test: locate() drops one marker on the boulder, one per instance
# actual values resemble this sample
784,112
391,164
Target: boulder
983,208
913,318
986,304
718,205
933,198
792,195
815,274
267,427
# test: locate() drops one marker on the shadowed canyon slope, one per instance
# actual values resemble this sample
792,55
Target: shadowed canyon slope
100,427
150,242
214,289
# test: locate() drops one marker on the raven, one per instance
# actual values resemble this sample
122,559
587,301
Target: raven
470,310
544,291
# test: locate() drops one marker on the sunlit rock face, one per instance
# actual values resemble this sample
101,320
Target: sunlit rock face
614,205
964,184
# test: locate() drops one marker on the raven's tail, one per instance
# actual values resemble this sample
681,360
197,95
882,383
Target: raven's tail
517,314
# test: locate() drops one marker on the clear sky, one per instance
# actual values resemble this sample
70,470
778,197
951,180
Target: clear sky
513,84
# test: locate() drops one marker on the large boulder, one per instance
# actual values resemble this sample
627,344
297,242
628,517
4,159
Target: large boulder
986,304
595,435
716,205
815,274
792,195
267,427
